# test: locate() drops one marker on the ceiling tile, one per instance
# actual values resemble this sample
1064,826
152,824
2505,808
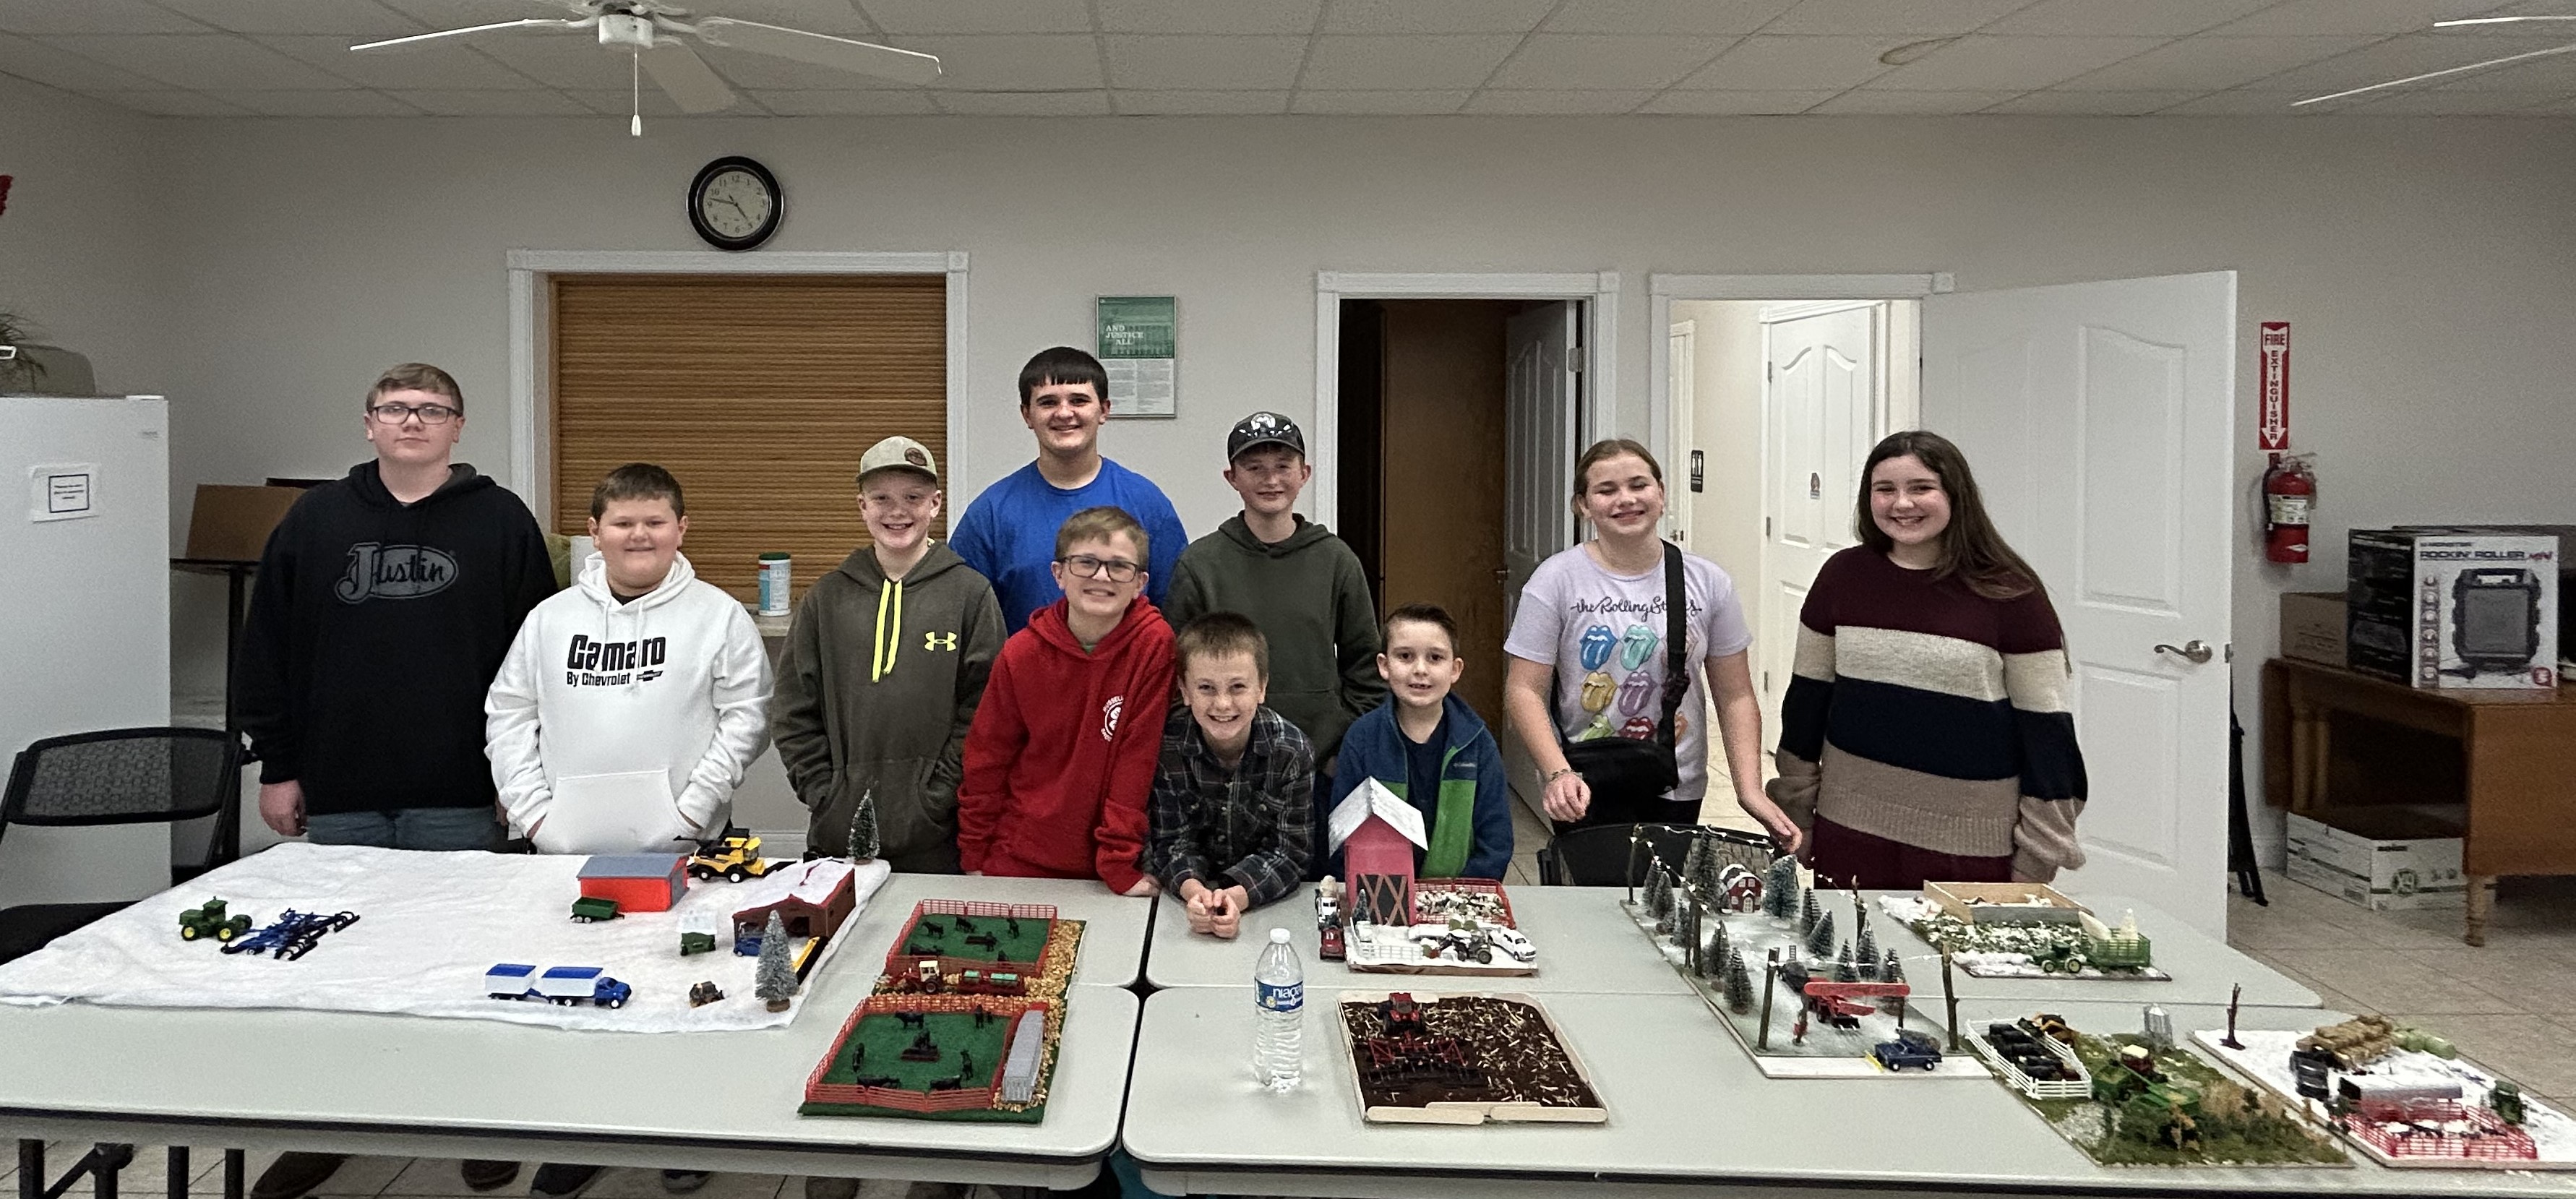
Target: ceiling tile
1014,62
561,61
2566,107
748,70
201,61
1434,16
1585,60
836,17
1771,63
2208,63
1209,16
172,104
1400,62
2294,17
1026,104
2398,57
53,66
869,102
1687,18
616,103
1203,61
979,16
2093,104
521,103
1982,62
1199,103
2244,104
456,67
92,16
1399,104
2093,18
2439,103
1883,103
1567,103
354,18
1748,104
1894,18
316,104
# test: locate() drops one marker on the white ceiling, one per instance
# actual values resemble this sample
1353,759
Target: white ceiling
1392,57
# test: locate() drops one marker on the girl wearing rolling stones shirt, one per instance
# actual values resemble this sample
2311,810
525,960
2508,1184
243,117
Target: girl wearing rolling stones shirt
1925,734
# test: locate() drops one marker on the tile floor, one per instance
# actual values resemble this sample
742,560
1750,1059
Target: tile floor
2510,1005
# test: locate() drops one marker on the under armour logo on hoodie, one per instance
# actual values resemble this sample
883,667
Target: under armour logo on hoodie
394,572
946,641
1109,717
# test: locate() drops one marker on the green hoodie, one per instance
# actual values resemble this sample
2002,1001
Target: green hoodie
1312,604
875,689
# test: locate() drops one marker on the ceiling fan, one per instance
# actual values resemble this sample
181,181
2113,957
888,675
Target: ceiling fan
2490,64
651,31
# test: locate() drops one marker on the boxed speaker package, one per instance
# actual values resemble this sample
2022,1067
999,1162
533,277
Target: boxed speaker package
2453,606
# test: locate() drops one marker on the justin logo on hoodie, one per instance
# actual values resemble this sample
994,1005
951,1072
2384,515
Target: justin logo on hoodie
394,572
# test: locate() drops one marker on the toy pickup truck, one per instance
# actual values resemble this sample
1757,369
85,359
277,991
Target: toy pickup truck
210,921
566,986
1911,1048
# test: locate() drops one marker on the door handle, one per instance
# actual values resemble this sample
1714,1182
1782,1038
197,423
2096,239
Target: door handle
2194,651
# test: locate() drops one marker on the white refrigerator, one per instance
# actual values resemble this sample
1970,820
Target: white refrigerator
84,619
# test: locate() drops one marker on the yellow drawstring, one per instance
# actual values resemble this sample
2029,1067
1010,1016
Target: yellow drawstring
885,645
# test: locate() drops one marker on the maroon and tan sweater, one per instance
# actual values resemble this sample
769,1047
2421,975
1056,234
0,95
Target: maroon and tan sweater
1922,712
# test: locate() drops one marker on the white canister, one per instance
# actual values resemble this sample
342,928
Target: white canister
774,575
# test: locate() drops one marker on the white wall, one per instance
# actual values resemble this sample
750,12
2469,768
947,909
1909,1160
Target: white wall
2422,262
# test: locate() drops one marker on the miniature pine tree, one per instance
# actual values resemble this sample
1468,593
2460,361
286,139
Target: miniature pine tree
1711,879
1720,947
863,827
1820,939
1659,895
1865,943
1739,984
1808,912
1868,967
1845,969
1694,864
774,980
1891,970
1780,887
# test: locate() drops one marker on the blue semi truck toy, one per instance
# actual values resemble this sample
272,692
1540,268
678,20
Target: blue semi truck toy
566,986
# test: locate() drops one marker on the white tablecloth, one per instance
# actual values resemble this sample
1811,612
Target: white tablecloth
430,925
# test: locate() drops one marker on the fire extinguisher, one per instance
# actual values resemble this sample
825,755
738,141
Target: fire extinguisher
2289,493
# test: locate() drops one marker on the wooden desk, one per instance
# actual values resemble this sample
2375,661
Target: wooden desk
2517,771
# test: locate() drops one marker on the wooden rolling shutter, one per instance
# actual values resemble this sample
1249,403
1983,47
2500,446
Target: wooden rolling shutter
759,392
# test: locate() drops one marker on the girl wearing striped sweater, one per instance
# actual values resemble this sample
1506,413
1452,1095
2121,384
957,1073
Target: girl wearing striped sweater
1925,734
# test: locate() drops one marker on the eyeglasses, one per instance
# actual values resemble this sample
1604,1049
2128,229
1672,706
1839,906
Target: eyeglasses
395,414
1116,570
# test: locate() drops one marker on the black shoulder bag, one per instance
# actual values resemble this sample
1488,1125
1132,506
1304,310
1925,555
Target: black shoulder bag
1628,777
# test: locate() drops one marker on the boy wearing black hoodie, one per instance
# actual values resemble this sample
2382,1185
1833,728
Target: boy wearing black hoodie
384,605
884,665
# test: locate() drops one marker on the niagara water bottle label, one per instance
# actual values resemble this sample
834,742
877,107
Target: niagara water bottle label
1281,997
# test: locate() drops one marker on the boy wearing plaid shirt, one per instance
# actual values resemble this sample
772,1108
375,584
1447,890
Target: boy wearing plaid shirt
1233,809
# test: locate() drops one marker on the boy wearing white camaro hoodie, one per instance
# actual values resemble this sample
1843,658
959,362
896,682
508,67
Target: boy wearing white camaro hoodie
638,667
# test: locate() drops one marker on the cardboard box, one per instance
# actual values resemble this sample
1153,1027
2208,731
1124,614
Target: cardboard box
2004,903
231,524
2453,607
2312,625
2381,858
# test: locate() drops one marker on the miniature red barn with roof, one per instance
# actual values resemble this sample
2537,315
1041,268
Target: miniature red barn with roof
1377,833
638,882
811,898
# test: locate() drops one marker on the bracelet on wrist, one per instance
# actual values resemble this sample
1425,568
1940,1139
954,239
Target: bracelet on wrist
1558,773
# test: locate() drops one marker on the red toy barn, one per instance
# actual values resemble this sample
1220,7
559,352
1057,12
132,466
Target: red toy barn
1376,832
639,882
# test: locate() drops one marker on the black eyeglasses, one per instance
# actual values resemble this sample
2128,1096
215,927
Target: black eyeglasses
1116,570
395,414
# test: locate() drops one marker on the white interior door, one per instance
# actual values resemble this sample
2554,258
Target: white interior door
1681,374
2096,416
1824,404
1542,400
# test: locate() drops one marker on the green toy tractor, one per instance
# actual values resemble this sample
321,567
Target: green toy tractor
211,921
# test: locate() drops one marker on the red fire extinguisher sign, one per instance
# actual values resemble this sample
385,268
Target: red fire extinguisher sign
2274,431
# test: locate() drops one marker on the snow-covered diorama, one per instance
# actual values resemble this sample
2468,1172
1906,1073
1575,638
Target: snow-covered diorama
1803,1002
2082,948
1460,926
2419,1107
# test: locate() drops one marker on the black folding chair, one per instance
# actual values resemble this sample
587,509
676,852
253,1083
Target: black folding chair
120,776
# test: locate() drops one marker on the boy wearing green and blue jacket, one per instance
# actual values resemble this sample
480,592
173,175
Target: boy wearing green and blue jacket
1428,746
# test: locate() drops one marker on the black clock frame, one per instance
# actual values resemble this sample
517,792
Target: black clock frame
768,182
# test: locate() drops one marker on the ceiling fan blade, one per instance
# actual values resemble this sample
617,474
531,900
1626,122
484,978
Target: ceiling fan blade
688,79
2489,64
2496,21
418,39
821,49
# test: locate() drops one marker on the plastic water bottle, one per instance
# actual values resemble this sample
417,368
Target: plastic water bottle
1279,1014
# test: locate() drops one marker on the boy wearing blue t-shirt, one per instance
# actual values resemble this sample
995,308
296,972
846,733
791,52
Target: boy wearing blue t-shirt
1008,533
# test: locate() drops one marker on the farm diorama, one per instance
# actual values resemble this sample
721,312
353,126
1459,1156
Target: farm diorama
965,1020
2405,1097
2139,1099
1462,1059
1768,958
2023,930
1386,921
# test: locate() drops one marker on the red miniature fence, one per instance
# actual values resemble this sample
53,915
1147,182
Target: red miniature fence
901,964
2493,1140
978,907
899,1098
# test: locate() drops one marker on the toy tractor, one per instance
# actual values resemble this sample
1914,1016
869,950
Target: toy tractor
211,921
736,856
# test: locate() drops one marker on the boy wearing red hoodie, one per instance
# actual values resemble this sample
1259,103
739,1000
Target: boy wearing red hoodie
1061,755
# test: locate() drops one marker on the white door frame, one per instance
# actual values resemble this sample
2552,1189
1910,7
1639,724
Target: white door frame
1599,289
531,440
1663,289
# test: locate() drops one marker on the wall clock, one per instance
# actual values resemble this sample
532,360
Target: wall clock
735,203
